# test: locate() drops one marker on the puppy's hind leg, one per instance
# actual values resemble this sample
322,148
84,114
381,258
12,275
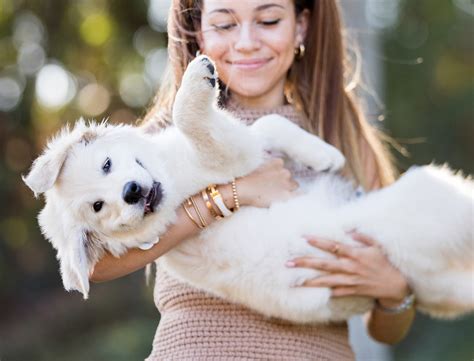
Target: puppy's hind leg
281,134
449,295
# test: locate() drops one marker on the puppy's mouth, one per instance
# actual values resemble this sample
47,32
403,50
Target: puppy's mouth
153,198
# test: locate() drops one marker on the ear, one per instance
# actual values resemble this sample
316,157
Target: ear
46,168
302,21
77,249
75,263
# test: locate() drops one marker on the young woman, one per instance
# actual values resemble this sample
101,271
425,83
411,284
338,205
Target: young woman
285,57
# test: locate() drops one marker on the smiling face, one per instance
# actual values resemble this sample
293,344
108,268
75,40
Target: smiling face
252,44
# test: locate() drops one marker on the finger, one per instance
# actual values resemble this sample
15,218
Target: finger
363,238
343,265
343,291
333,280
335,248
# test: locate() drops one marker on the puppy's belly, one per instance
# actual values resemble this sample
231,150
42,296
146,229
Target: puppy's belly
242,259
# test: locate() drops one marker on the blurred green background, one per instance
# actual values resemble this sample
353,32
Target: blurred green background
62,59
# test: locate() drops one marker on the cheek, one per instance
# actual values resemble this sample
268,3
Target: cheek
215,46
281,43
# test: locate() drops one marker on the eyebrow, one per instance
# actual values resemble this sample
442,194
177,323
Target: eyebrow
258,8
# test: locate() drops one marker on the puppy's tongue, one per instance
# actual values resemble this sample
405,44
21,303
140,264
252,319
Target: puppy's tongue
154,196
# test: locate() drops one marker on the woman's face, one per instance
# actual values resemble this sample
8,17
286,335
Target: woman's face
252,43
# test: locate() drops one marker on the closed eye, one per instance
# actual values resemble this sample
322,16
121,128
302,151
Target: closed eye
107,165
270,22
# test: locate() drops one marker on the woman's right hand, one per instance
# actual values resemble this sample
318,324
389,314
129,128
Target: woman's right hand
269,183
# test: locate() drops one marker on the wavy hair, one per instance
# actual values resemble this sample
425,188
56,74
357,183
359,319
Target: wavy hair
321,84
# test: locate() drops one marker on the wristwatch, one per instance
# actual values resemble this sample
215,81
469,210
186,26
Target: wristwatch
406,304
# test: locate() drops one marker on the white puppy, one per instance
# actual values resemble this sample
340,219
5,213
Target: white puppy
113,187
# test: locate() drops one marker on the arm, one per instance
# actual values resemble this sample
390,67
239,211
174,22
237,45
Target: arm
365,271
389,328
382,326
268,183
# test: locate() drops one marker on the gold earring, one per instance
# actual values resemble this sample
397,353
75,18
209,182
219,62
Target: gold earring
299,51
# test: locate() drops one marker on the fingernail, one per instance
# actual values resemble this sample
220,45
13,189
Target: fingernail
290,264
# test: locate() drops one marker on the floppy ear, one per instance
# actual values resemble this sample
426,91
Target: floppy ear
75,263
46,168
77,249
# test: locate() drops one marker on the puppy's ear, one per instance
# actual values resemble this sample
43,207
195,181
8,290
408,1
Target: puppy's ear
78,250
46,168
75,263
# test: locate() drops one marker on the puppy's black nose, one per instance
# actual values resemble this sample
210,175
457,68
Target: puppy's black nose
132,192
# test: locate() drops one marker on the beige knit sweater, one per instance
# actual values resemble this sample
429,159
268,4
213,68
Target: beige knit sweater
198,326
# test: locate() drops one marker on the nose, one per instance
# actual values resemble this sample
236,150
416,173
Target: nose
132,192
247,39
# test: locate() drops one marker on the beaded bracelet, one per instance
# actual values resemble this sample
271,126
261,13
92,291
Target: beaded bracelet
236,198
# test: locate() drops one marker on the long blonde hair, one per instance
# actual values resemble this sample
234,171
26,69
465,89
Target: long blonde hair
316,83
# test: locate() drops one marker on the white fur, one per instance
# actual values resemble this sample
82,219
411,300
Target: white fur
424,222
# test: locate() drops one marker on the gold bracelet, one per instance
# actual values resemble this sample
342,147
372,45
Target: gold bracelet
198,212
209,206
189,214
218,201
236,198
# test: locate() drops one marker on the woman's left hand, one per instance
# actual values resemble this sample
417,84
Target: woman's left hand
361,270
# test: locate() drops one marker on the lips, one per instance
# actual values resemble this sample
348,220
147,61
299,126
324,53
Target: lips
153,198
250,64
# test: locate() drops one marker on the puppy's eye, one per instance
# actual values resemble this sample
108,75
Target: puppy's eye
107,165
98,206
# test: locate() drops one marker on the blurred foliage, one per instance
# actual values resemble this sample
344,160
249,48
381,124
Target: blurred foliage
108,58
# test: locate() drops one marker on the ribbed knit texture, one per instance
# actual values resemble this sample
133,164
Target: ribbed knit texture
197,326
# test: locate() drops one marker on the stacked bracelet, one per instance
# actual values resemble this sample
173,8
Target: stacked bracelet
218,201
209,206
191,203
198,212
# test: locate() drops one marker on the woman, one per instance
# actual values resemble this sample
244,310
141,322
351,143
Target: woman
286,57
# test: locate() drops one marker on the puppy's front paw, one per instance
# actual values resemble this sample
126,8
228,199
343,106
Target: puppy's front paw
332,160
323,157
201,73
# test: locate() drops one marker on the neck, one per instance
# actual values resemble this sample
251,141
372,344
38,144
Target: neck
273,98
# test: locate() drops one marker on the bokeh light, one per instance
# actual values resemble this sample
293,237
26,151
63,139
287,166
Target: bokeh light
134,90
31,57
158,14
155,65
146,40
28,28
10,93
55,87
96,29
93,99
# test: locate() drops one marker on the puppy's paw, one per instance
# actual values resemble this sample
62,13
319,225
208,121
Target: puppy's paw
323,157
200,75
332,160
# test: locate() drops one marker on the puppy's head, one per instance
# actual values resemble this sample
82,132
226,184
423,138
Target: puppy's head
100,195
